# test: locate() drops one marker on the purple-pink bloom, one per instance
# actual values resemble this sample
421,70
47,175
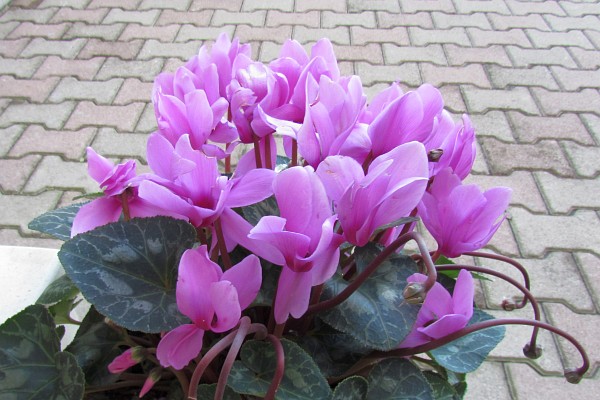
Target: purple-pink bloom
460,217
123,362
211,298
391,189
441,314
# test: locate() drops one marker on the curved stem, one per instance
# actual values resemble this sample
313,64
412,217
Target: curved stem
509,261
258,160
373,265
222,246
231,355
279,370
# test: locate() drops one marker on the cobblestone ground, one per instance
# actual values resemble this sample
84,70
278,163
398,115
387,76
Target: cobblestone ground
75,73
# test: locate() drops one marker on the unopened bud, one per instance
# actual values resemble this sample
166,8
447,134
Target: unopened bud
509,305
414,293
435,155
573,376
127,359
532,353
151,380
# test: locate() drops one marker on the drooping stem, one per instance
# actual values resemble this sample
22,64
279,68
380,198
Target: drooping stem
294,153
227,161
509,261
222,245
257,151
231,355
373,265
268,162
315,296
125,206
278,331
182,378
279,370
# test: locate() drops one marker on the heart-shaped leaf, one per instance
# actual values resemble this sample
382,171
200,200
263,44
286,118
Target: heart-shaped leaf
57,222
397,378
353,388
31,365
208,392
467,353
302,378
376,313
442,389
128,270
62,288
253,213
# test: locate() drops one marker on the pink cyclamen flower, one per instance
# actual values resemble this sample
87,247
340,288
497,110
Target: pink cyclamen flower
461,218
211,298
391,189
441,314
124,361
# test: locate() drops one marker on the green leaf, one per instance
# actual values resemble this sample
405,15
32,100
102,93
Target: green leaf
353,388
442,389
376,313
61,311
31,365
302,378
128,270
62,288
467,353
282,163
95,346
253,213
397,378
208,392
270,277
398,222
56,222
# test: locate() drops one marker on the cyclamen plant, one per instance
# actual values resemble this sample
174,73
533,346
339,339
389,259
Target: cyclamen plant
304,251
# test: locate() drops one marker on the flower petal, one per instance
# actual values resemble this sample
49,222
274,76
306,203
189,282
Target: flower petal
293,293
96,213
246,276
178,347
226,305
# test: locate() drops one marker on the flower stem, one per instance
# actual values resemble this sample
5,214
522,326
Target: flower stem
231,355
222,245
257,151
268,162
272,391
125,206
294,153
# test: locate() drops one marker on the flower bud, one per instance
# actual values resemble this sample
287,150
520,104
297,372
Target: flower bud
414,293
573,375
435,155
532,353
129,358
151,380
508,305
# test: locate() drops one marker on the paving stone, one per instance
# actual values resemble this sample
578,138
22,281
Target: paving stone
469,7
17,211
494,124
133,90
339,35
55,174
153,48
79,4
580,9
88,16
52,116
170,17
423,37
8,137
530,129
309,19
370,53
193,33
123,4
124,118
573,80
535,76
30,29
20,169
37,140
269,51
579,231
101,92
7,27
592,122
136,31
524,189
21,68
362,35
56,66
589,265
143,70
573,23
564,195
466,55
517,336
123,50
282,5
453,99
518,7
407,73
400,54
379,5
141,17
36,91
247,33
11,237
555,103
330,19
506,22
180,5
488,382
13,48
389,20
111,143
147,122
62,48
20,14
255,18
481,38
333,5
412,7
472,74
446,21
481,100
530,385
530,57
588,59
171,65
594,36
585,159
545,155
231,5
104,32
551,39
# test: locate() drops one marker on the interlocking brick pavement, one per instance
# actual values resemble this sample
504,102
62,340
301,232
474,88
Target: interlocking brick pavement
75,73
